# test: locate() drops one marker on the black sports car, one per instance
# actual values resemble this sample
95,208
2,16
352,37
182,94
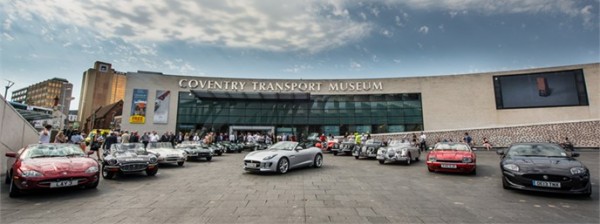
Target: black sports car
544,167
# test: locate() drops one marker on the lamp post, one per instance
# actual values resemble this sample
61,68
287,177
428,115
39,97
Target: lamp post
10,84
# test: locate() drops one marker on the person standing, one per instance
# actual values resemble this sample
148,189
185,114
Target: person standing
111,139
45,134
134,137
125,137
422,141
145,139
60,138
467,139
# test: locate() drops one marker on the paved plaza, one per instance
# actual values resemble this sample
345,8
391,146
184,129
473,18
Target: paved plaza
344,190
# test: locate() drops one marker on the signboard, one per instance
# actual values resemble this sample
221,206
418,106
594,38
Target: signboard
279,86
161,106
138,106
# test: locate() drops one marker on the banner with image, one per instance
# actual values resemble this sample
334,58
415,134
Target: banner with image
161,106
138,106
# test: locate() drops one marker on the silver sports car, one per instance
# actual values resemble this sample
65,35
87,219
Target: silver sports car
283,156
398,151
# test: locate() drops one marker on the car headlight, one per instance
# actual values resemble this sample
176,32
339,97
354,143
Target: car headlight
153,159
30,173
270,157
111,162
578,170
92,169
402,152
511,167
467,160
432,159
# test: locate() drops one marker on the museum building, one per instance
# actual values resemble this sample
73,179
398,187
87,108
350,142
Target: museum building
155,101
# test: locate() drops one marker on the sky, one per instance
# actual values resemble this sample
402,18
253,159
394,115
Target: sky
293,39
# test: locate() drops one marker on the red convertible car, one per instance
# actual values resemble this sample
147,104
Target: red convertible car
45,166
451,157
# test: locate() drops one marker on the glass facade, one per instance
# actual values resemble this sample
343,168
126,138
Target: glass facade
335,114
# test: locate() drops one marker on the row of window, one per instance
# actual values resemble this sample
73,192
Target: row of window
300,105
258,120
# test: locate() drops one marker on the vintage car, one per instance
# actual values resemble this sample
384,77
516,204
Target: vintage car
194,150
368,149
166,153
452,157
333,143
346,147
398,150
230,146
544,167
124,158
283,156
46,166
216,149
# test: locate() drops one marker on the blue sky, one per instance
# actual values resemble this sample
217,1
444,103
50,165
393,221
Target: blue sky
309,39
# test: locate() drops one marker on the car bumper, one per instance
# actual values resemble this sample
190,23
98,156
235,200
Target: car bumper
260,166
171,160
392,158
48,183
131,168
460,167
574,184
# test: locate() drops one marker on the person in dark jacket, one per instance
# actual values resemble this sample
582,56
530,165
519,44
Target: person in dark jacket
111,139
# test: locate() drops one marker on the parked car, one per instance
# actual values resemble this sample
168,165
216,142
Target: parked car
166,153
452,157
346,147
124,158
333,143
368,149
544,167
45,166
230,147
216,149
283,156
194,150
397,150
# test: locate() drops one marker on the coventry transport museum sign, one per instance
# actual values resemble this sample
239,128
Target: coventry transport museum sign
300,86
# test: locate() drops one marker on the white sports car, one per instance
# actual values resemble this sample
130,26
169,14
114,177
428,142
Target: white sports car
283,156
398,151
166,153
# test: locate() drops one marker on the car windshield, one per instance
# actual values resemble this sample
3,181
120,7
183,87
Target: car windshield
543,150
284,145
398,143
373,142
52,150
127,147
451,147
155,145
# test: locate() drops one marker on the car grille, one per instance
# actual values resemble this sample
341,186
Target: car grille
171,158
251,161
203,154
546,177
449,161
133,167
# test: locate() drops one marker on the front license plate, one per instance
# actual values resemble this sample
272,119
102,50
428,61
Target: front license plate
546,184
64,183
449,166
252,165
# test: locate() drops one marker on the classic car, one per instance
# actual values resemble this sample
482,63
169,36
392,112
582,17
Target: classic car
166,153
216,149
452,157
346,147
45,166
368,149
194,150
397,150
230,146
333,143
283,156
543,167
124,158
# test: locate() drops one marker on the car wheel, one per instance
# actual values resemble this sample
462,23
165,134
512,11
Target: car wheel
13,190
318,161
381,161
356,157
430,170
93,185
180,163
283,165
409,160
107,174
589,193
474,172
219,153
209,158
417,159
335,153
151,172
504,183
7,179
239,150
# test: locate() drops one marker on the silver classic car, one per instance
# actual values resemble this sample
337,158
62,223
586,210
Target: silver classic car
346,147
128,158
398,150
194,150
368,149
283,156
166,153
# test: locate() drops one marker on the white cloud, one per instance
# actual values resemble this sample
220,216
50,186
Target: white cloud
7,24
397,61
355,65
424,30
387,33
588,16
7,37
363,15
375,12
297,68
441,27
67,44
310,26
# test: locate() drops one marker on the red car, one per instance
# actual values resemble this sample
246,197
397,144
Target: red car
451,157
45,166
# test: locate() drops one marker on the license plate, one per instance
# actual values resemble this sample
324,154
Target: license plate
449,166
64,183
253,165
546,184
193,154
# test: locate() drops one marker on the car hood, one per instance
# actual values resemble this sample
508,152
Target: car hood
552,165
259,155
56,165
166,151
450,155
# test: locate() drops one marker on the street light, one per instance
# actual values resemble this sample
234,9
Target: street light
10,84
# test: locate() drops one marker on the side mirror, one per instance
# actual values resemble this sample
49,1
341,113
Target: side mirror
11,154
574,154
500,151
298,148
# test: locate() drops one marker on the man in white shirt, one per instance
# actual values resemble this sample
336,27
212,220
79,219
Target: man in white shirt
154,137
422,140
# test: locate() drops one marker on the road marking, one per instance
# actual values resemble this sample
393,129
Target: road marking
537,206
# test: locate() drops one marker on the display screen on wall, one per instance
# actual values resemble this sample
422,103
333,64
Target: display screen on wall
548,89
161,106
